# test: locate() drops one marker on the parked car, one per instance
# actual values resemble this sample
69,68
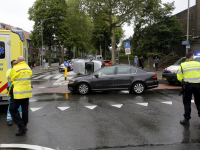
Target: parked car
118,77
170,73
62,66
107,62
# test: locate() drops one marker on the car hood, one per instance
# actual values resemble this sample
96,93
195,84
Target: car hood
172,68
81,77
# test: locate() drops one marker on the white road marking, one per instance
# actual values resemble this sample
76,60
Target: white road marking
34,76
41,87
35,109
91,107
33,147
192,101
169,102
118,105
143,104
48,77
58,76
71,73
63,108
39,77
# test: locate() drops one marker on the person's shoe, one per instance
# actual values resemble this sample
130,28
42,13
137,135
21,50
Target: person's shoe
185,122
9,123
22,130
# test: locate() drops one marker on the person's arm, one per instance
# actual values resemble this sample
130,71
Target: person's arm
180,74
12,75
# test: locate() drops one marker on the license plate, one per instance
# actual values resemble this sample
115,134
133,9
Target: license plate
165,79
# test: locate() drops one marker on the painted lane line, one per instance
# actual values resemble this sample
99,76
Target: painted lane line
58,76
118,105
192,101
91,107
63,108
48,77
33,147
39,77
169,102
71,73
143,104
41,87
35,109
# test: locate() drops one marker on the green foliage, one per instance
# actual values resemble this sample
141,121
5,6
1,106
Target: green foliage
29,57
155,54
155,29
49,17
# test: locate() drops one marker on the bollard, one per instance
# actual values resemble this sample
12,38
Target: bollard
65,73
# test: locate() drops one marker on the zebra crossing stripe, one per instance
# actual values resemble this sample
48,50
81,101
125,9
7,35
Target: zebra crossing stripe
26,146
39,77
48,77
58,76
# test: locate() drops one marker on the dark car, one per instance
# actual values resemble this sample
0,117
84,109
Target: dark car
118,77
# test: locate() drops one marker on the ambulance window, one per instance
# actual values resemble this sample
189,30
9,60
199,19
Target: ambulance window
2,50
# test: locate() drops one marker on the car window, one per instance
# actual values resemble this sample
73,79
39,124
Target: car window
123,70
197,59
180,61
107,71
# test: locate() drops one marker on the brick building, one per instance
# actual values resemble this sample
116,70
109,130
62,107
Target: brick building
34,52
194,29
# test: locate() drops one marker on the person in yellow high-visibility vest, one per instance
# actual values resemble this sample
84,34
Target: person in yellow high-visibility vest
189,72
20,78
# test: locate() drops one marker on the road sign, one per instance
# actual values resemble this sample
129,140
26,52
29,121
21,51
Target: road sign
43,53
126,44
188,46
127,51
66,64
185,42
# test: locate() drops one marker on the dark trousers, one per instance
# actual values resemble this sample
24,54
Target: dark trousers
156,66
142,65
14,105
191,88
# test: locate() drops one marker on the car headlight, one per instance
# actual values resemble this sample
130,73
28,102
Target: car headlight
71,81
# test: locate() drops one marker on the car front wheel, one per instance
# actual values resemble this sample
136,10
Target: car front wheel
138,88
83,88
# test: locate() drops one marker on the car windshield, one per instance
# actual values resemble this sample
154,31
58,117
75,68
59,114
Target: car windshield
197,59
180,61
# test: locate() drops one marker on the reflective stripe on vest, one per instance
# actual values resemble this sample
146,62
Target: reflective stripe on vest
22,92
23,79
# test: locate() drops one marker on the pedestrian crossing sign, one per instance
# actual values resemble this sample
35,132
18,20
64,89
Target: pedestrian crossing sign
126,44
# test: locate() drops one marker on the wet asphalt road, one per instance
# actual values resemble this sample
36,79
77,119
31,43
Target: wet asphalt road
142,122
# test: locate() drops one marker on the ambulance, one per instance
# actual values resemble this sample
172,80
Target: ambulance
13,43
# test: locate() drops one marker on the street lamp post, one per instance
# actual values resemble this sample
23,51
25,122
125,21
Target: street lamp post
42,37
188,23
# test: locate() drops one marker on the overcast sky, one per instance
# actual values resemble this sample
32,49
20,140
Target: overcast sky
15,13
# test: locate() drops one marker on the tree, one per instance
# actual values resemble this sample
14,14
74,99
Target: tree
117,13
156,30
49,17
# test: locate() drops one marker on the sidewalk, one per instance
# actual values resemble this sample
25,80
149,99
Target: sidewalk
38,69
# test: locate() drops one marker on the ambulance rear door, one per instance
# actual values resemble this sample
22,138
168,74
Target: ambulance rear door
5,59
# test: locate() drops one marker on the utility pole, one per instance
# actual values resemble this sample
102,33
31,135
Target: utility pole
188,14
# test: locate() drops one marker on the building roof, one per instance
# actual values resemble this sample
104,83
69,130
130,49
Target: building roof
9,27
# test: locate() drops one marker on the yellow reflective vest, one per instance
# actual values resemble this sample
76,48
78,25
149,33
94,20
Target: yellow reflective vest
20,78
191,72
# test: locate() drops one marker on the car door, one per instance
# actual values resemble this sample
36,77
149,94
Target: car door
124,77
105,79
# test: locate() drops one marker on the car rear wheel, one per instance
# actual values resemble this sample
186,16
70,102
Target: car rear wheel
138,88
83,88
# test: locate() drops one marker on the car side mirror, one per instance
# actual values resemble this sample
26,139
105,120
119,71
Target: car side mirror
96,75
